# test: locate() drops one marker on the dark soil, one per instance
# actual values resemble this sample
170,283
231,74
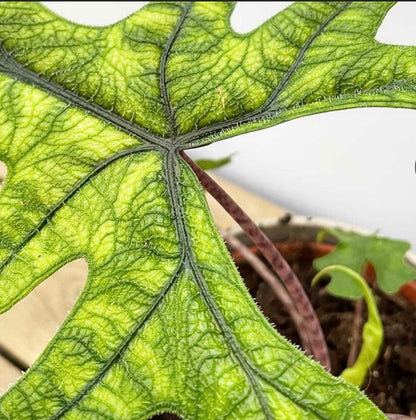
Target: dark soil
391,384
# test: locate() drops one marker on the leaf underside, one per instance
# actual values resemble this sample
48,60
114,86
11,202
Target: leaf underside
91,123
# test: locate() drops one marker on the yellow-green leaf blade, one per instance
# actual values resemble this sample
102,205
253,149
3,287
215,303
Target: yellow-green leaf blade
92,120
115,66
178,69
165,325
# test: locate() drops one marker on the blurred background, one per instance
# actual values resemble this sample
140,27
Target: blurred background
357,166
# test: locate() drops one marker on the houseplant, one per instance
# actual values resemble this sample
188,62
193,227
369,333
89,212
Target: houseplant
389,382
93,120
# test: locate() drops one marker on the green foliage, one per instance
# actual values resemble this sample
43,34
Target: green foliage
91,123
208,164
355,250
372,335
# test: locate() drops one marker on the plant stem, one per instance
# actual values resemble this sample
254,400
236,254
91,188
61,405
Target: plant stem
278,263
356,328
273,282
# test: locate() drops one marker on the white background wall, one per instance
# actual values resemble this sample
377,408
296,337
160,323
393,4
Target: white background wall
357,166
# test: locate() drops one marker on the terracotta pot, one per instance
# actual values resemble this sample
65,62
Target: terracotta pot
298,234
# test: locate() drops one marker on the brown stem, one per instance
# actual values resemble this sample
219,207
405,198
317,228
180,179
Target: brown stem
273,256
394,416
278,289
356,328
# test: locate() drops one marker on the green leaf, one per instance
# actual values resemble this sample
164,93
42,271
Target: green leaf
91,121
208,164
355,250
372,335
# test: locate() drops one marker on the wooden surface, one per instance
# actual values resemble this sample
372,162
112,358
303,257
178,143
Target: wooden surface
8,374
257,208
26,329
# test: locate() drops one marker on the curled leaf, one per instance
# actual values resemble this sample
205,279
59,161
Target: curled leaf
372,330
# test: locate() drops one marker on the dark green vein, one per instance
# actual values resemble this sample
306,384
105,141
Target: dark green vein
189,138
9,66
14,69
299,58
331,103
196,138
162,72
124,345
252,372
175,194
77,187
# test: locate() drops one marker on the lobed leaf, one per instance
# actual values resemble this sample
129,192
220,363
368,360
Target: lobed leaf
355,250
92,120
